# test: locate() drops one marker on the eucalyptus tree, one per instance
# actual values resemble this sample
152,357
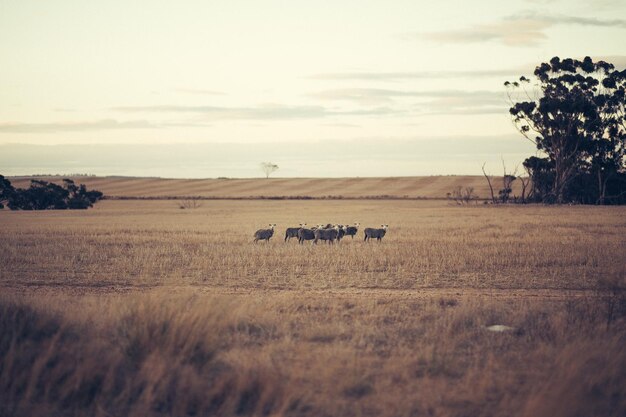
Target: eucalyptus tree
43,195
574,112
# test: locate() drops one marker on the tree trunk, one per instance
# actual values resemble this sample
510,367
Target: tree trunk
600,200
493,199
602,182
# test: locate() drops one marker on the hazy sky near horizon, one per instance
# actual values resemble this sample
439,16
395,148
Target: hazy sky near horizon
402,80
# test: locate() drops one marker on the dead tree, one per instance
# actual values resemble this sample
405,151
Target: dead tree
493,198
525,181
507,183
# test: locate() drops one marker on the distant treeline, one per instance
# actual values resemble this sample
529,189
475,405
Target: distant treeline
43,195
77,174
584,188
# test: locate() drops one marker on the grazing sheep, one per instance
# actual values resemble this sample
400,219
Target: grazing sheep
306,234
264,234
341,232
329,235
376,233
351,230
293,231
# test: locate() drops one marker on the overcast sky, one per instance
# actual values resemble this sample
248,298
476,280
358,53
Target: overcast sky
355,88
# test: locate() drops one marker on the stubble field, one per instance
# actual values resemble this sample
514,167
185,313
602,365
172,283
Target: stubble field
141,308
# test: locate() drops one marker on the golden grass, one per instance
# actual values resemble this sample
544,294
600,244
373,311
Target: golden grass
413,187
142,309
188,354
429,245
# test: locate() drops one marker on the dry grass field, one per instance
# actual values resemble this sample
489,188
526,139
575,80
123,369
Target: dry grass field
429,245
399,187
139,308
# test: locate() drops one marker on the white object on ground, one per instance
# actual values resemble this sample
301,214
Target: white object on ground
500,328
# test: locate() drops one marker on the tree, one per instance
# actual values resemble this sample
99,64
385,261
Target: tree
525,182
493,198
504,193
7,191
576,118
268,168
507,184
79,196
462,195
42,195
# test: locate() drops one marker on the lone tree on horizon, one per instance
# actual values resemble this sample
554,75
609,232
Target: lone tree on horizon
268,168
575,114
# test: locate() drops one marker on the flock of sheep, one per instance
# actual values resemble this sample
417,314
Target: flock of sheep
328,233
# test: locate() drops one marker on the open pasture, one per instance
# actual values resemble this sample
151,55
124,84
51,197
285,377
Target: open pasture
141,308
428,245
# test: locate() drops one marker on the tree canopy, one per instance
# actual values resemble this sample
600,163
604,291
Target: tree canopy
268,168
574,112
43,195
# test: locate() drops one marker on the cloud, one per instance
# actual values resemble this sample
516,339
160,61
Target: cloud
465,105
570,20
265,112
262,112
522,29
409,75
361,95
468,109
605,4
379,95
200,91
519,33
106,124
618,60
357,156
349,125
434,102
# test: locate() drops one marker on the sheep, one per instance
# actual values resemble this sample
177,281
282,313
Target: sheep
293,231
351,230
329,235
306,234
264,234
341,232
376,233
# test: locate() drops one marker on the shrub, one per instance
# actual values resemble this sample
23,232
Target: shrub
43,195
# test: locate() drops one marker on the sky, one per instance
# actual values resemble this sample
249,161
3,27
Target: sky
330,88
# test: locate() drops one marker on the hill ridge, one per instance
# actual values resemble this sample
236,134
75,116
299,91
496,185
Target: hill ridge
422,187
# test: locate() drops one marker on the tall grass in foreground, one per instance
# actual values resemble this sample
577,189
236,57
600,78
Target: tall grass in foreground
152,358
160,354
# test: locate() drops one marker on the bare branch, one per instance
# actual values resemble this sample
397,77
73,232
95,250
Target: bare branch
493,199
